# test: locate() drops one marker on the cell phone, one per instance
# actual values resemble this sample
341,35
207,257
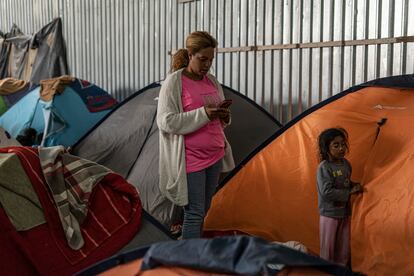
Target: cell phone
225,103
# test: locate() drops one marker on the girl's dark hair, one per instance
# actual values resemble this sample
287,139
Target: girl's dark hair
326,137
194,42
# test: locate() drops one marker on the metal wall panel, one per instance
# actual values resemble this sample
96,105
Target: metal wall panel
123,45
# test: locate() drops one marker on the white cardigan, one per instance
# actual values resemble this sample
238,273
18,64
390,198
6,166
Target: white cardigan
173,124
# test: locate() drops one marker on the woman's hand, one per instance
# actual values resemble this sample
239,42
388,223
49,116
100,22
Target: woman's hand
224,115
218,113
211,112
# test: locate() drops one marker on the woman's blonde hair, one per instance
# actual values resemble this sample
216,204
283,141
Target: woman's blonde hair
195,42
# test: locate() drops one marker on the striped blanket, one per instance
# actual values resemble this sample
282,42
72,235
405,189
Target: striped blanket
71,180
106,211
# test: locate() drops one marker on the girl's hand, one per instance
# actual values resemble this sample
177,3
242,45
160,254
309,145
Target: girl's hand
357,188
354,183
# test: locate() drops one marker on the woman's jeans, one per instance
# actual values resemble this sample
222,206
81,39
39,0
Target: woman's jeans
201,188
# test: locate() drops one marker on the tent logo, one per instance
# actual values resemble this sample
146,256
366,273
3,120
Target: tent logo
380,106
85,84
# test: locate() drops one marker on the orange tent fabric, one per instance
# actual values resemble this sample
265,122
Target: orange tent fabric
274,195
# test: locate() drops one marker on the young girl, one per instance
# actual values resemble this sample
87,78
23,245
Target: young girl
334,190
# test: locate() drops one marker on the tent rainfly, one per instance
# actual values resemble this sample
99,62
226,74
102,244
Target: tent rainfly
274,192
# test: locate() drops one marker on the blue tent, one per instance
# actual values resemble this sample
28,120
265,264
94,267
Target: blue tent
64,119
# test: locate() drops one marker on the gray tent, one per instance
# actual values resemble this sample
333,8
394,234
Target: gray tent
126,141
34,57
151,231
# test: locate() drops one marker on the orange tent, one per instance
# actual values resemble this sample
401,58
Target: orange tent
273,193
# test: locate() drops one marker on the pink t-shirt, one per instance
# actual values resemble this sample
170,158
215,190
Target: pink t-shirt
205,146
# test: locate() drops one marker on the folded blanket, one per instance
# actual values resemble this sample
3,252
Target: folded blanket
17,196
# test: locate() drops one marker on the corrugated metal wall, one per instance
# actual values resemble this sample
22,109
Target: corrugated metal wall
123,45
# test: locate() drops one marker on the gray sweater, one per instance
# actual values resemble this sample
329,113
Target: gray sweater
334,186
173,124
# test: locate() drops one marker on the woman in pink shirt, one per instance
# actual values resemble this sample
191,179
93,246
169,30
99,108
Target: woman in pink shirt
193,147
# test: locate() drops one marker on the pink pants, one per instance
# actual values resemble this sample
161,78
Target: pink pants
334,237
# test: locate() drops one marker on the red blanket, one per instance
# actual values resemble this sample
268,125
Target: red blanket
113,219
